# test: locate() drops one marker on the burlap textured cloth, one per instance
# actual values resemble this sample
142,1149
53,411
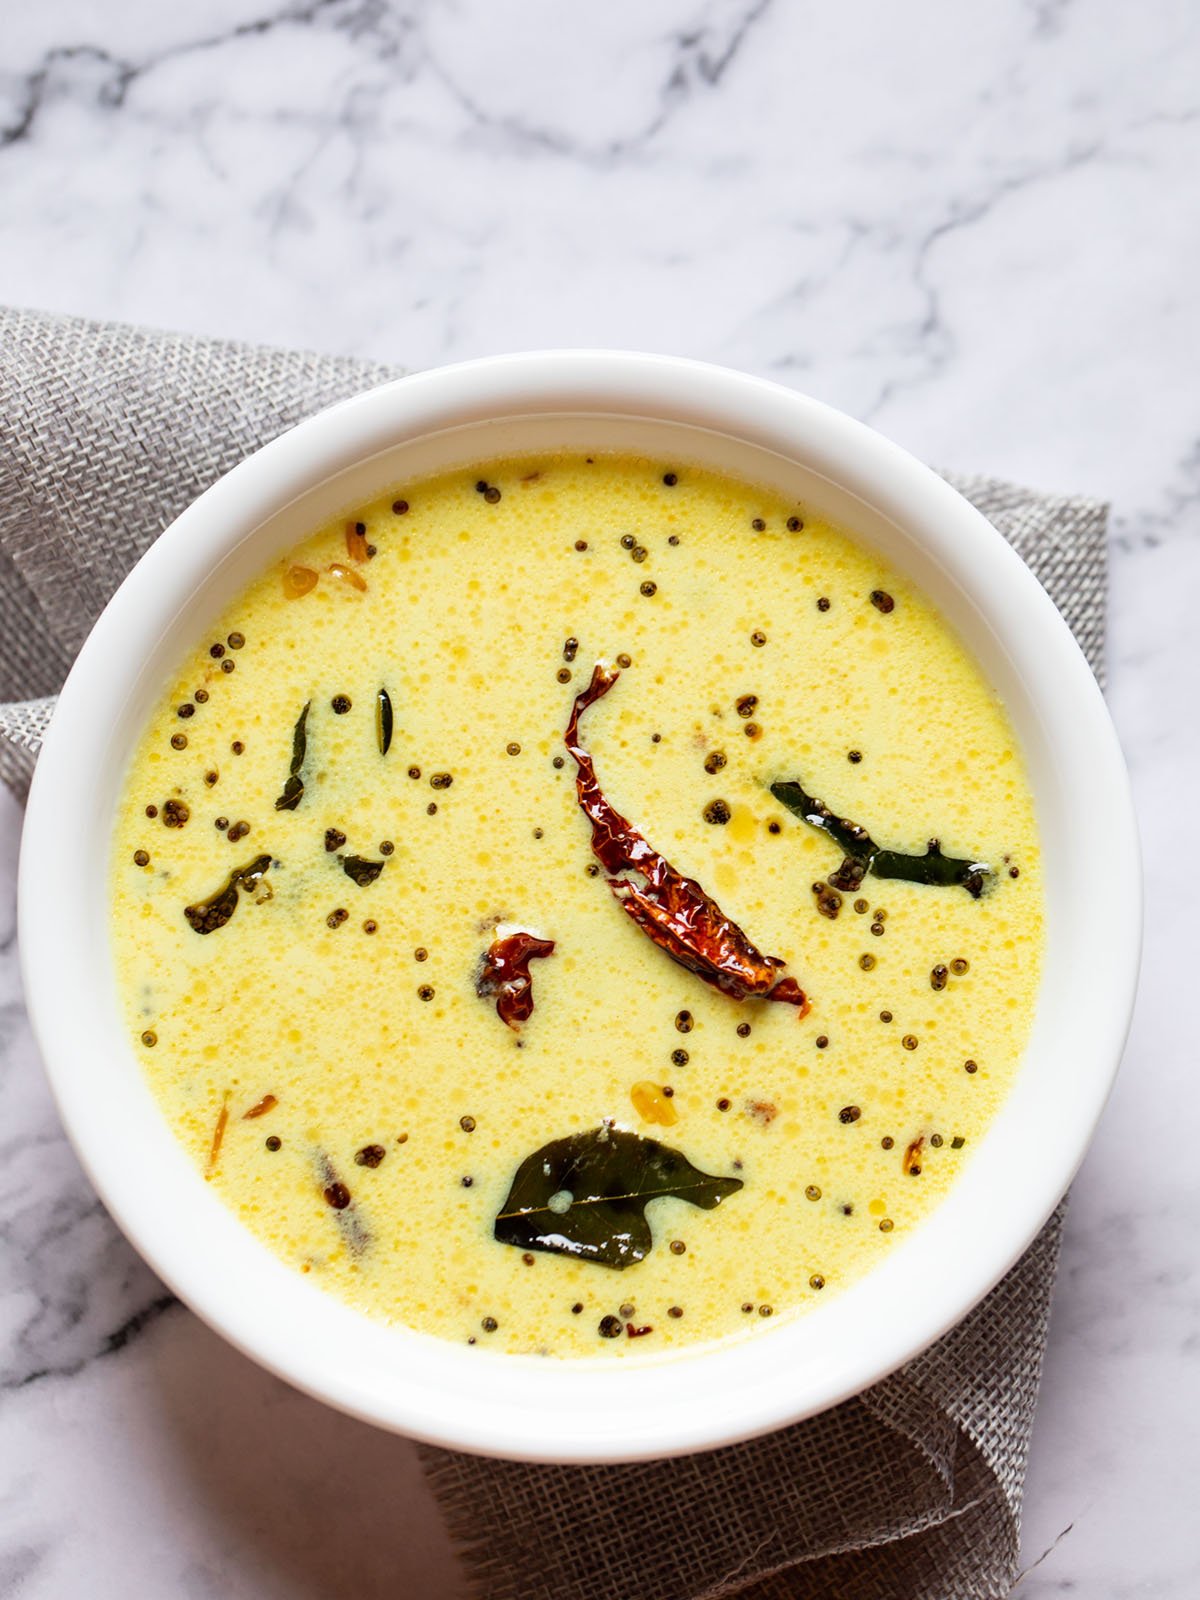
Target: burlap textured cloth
911,1491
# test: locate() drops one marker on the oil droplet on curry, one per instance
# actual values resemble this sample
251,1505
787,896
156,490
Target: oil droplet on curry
582,905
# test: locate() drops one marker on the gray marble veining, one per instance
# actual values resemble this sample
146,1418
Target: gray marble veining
974,227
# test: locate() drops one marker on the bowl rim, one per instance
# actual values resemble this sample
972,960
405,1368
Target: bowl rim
568,1411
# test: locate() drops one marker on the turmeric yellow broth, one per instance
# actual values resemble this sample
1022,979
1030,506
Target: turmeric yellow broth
358,788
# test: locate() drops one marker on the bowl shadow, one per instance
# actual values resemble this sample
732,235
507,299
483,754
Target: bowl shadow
315,1502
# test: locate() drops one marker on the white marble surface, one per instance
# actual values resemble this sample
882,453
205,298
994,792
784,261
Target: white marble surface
975,227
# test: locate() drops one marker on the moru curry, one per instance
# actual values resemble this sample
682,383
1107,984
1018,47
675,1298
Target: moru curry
587,905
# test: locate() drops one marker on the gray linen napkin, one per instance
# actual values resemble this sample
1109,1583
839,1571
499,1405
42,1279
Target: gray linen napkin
910,1491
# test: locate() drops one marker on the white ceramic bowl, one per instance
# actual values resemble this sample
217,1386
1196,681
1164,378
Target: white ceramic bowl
524,1406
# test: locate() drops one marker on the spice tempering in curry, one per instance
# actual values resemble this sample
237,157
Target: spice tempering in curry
585,905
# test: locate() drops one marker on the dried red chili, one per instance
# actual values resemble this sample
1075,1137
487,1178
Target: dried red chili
673,911
505,974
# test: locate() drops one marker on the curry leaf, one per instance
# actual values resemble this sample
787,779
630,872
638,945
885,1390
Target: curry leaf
361,870
294,787
383,721
586,1195
863,855
206,916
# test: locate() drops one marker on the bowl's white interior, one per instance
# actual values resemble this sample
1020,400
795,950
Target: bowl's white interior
681,412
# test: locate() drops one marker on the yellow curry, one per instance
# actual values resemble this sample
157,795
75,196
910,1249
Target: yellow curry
525,908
